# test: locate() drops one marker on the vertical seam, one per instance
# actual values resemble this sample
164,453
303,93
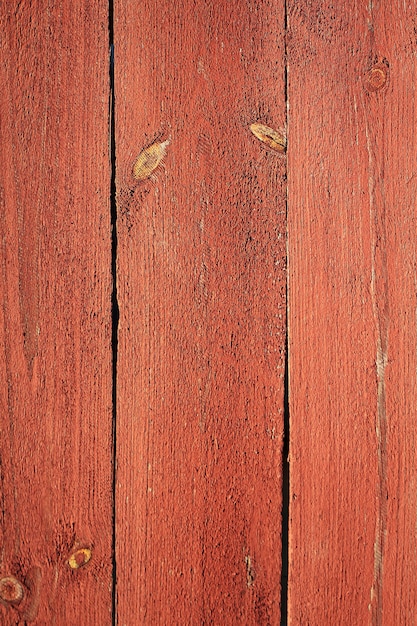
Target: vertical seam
114,303
286,425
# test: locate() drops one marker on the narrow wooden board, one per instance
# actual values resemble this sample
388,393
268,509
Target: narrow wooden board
352,312
55,314
201,287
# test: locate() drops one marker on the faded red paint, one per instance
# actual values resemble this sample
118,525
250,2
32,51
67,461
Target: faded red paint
201,271
55,317
202,160
352,303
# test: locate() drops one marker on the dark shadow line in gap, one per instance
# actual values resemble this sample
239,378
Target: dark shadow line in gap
114,302
286,438
285,498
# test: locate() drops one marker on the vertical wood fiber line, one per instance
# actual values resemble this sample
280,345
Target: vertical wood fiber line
55,315
352,312
201,284
374,126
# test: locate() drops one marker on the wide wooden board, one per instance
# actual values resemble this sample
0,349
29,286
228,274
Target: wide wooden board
352,312
201,288
55,314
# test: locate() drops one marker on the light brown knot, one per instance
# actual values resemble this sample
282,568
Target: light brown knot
11,590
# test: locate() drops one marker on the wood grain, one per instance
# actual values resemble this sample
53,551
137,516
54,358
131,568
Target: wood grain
352,312
201,286
55,316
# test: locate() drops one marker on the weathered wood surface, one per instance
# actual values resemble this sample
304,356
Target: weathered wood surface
55,316
352,312
201,287
202,293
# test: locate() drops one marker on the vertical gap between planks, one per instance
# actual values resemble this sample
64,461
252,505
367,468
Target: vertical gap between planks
115,305
286,437
285,497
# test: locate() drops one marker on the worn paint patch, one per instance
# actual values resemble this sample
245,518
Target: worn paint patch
272,138
33,583
149,159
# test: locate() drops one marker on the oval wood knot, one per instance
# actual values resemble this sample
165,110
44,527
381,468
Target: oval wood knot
79,558
149,159
272,138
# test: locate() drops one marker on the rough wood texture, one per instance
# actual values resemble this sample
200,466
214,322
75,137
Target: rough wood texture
352,312
201,285
55,318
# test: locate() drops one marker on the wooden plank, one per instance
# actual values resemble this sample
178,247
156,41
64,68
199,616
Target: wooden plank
55,316
201,286
352,312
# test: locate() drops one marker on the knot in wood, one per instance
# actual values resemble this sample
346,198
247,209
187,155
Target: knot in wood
11,590
376,78
79,558
272,138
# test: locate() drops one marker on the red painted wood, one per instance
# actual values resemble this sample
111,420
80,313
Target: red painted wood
201,287
55,318
352,312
